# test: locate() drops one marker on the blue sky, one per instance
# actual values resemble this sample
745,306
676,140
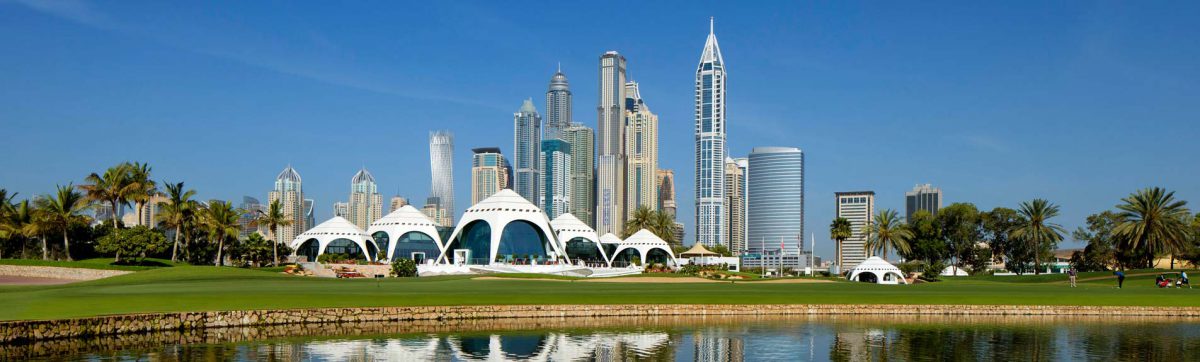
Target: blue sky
994,102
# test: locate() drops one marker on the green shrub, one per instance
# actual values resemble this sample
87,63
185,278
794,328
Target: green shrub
932,271
404,268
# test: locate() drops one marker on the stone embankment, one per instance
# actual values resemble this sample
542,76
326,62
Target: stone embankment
33,330
29,271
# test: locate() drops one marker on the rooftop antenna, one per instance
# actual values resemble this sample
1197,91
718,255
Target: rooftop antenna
560,67
711,24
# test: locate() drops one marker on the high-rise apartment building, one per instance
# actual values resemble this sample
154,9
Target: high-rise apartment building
310,215
775,201
858,207
735,204
366,204
610,143
583,176
527,147
149,212
554,193
558,106
341,209
489,173
396,203
433,209
666,192
441,163
710,144
289,192
251,208
922,197
641,152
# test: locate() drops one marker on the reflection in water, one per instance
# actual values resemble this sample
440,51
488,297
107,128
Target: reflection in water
666,339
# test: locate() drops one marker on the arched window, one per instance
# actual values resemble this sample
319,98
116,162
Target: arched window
658,256
309,249
418,244
581,248
477,238
868,277
520,239
628,256
381,238
347,247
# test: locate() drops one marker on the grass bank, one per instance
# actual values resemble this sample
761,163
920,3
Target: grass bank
199,288
98,263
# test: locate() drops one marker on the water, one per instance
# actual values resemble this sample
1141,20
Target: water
843,338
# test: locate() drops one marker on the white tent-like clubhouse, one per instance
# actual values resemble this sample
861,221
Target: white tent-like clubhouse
876,270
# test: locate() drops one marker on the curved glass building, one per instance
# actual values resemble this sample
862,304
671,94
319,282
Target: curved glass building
775,200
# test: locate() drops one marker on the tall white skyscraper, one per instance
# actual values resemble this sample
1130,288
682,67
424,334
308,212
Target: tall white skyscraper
710,144
558,106
857,207
610,161
554,193
641,152
441,163
775,203
366,204
289,191
527,147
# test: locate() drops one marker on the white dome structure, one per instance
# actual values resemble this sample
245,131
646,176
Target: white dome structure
579,241
407,233
647,247
503,228
954,271
877,270
335,236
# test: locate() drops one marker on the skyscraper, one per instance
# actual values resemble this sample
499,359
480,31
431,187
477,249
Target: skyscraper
558,106
610,162
441,163
366,204
583,172
433,209
341,209
527,147
710,143
310,212
922,197
775,201
858,208
489,173
251,208
396,203
641,152
735,204
554,193
666,192
290,194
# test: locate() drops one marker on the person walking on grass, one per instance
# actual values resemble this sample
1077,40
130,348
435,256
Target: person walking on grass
1071,273
1120,278
1184,279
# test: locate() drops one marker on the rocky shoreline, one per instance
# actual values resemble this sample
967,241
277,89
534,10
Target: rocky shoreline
27,331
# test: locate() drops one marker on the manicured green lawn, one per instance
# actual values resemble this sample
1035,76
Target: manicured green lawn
194,288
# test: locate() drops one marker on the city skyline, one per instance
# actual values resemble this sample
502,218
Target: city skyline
981,169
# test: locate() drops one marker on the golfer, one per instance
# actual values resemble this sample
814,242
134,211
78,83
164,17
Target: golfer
1071,273
1120,278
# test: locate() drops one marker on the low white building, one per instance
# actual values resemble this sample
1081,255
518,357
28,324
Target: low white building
876,270
335,236
579,241
642,248
407,233
504,228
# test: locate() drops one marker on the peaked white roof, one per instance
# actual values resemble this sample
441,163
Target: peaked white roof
362,176
610,239
406,215
712,51
568,222
335,226
876,263
506,200
645,237
289,174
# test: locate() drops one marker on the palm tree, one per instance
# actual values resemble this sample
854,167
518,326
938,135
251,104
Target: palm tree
885,232
221,222
1037,229
60,211
142,188
664,226
21,222
273,219
6,210
176,211
1152,219
839,231
113,187
642,218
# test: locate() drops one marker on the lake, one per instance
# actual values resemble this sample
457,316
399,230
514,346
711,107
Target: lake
817,338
